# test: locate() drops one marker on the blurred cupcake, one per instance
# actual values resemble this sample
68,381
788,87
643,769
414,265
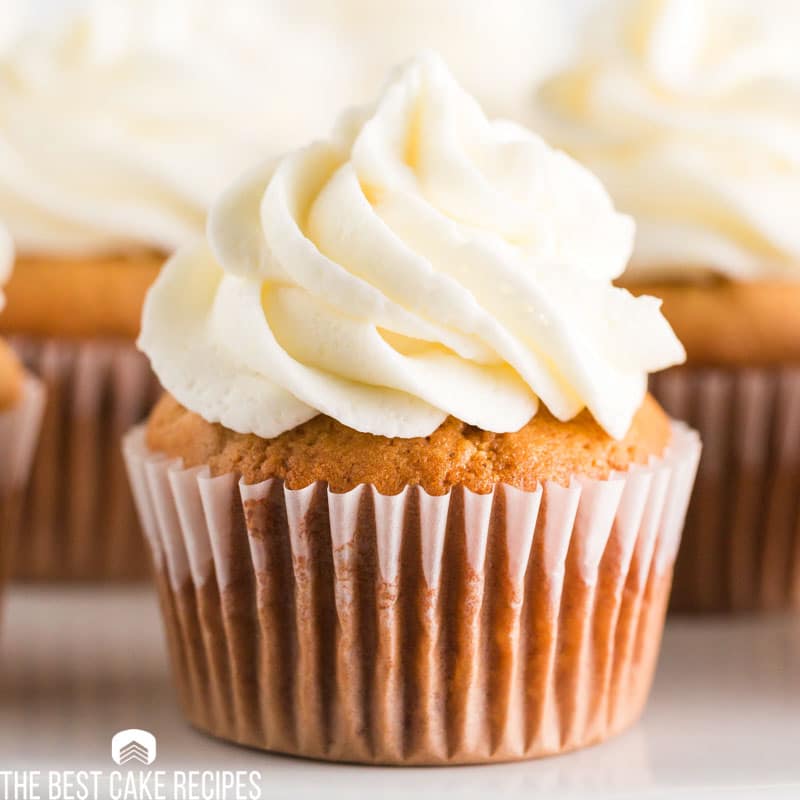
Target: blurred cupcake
156,105
498,51
21,404
147,127
689,113
407,498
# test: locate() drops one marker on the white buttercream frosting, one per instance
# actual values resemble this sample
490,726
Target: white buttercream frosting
421,262
497,51
121,121
119,124
689,112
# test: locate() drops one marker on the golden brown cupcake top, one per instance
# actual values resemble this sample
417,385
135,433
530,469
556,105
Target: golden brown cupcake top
98,295
10,377
322,449
725,322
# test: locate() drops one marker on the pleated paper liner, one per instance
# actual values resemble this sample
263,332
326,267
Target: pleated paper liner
19,428
413,629
78,521
741,546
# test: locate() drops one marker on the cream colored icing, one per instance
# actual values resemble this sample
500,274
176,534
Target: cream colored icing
689,112
421,262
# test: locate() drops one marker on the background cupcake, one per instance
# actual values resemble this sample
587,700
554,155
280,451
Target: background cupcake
156,104
407,499
144,134
21,403
688,113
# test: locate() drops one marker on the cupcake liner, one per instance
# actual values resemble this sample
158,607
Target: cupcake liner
413,629
19,428
741,549
77,520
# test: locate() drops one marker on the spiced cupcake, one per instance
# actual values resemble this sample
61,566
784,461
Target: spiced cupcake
407,498
149,122
21,403
688,113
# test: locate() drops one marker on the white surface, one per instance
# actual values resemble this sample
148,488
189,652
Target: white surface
723,721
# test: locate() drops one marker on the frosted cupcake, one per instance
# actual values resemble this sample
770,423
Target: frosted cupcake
21,403
688,113
156,110
407,498
148,131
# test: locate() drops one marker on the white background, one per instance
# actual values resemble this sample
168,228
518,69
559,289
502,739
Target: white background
723,721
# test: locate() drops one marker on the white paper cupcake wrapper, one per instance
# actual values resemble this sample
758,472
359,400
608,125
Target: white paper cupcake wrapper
78,521
413,628
19,429
741,543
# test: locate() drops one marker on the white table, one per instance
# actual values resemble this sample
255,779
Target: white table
79,664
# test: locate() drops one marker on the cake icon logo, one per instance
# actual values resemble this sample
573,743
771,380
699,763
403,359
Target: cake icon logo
133,745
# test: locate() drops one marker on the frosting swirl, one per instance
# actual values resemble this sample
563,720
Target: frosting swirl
689,112
422,262
155,108
159,104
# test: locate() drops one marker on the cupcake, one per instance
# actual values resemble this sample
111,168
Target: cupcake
156,109
688,113
148,130
21,403
407,498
